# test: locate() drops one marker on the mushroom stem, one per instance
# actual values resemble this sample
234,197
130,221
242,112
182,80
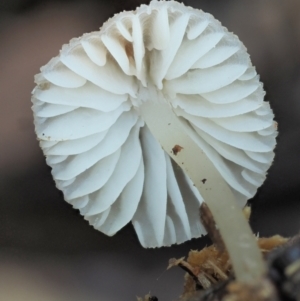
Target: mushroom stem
171,132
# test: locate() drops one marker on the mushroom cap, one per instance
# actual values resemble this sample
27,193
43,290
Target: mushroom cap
103,156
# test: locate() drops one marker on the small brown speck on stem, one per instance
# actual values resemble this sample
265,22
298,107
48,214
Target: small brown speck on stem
176,149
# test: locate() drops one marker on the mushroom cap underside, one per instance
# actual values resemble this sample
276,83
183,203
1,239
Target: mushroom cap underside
103,156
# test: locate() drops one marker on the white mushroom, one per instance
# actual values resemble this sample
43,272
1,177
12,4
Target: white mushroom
166,76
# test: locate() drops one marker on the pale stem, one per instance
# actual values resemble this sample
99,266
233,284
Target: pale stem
239,240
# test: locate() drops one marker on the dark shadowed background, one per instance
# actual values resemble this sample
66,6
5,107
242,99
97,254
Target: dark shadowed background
47,250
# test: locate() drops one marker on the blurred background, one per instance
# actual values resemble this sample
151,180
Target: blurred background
47,250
